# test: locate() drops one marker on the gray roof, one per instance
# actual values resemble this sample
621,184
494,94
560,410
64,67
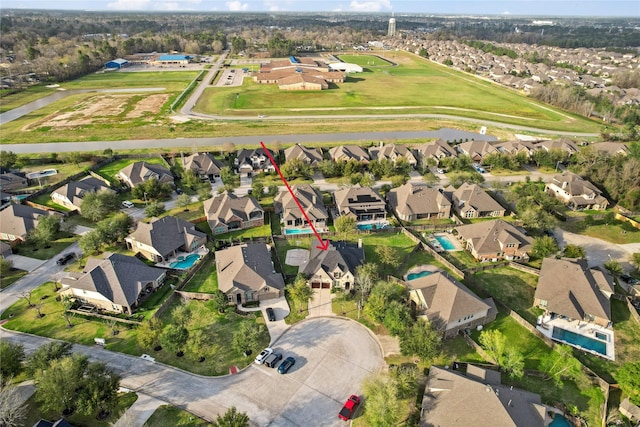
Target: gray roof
437,149
453,400
226,207
203,163
349,152
472,196
166,234
340,255
309,198
563,144
572,289
18,220
412,199
358,199
577,186
447,299
247,267
117,277
311,156
489,237
75,191
141,171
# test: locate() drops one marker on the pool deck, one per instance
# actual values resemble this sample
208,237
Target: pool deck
202,251
581,328
450,237
420,269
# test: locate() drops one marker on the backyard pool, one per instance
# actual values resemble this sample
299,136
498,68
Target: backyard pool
297,231
187,262
579,340
446,244
413,276
559,421
376,226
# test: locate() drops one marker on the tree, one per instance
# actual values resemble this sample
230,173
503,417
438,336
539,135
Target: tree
635,260
57,386
198,344
544,246
99,391
46,230
574,251
220,301
45,354
152,189
628,377
182,315
366,275
97,205
295,168
533,217
513,362
345,224
5,266
12,356
300,291
382,408
91,242
247,337
421,340
614,267
231,418
154,209
149,333
405,380
388,255
397,318
183,200
13,408
560,364
229,148
494,343
7,159
374,307
175,337
67,304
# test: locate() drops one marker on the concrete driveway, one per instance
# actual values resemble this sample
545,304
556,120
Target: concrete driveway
281,310
320,304
599,251
24,262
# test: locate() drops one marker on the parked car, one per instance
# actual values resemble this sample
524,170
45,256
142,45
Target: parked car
271,314
178,191
263,355
438,170
65,258
349,408
272,360
286,365
127,204
628,279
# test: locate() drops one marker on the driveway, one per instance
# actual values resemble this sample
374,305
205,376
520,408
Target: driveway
281,310
24,262
320,304
333,357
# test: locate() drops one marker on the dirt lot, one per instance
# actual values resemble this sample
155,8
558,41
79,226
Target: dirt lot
103,109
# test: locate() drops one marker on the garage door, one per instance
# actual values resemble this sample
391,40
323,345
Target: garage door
326,286
315,285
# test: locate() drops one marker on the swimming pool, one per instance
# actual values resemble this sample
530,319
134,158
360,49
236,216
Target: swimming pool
297,231
187,262
559,421
413,276
579,340
445,243
376,226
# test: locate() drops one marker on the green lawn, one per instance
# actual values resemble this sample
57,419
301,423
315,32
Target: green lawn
13,275
34,414
261,231
15,100
170,416
111,170
193,211
615,231
43,252
365,60
170,80
205,280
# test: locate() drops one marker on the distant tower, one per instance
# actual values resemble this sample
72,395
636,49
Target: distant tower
392,27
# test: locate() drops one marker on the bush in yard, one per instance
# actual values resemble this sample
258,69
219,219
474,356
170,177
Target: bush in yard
154,209
12,356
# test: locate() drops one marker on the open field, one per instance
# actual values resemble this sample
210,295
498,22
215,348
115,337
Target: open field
364,60
15,100
172,81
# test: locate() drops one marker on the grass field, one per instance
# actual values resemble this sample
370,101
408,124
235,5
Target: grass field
365,60
11,276
15,100
171,81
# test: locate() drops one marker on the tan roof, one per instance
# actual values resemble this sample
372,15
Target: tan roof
310,156
437,149
226,207
412,199
247,267
18,220
611,147
358,199
570,289
447,299
453,400
297,78
309,198
167,234
579,189
139,172
203,163
391,152
563,144
75,191
472,196
490,237
476,148
348,152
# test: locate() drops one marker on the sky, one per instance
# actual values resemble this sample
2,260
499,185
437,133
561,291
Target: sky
621,8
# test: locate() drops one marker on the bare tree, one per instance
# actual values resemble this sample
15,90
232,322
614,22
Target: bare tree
12,405
27,296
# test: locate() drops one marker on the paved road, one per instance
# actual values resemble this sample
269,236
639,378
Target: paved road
195,95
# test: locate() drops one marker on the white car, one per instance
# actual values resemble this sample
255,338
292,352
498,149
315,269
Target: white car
439,170
127,204
263,355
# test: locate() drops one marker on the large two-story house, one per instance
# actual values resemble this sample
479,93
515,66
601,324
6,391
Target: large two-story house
205,166
471,201
393,152
494,240
412,202
226,212
362,203
434,151
344,153
72,194
476,150
256,160
139,172
16,221
308,156
575,192
292,217
334,267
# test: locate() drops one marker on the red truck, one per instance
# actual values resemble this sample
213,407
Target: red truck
349,408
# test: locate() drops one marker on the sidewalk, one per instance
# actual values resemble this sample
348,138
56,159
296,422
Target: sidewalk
139,412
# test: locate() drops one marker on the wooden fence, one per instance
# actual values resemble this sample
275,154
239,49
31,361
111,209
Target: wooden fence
104,316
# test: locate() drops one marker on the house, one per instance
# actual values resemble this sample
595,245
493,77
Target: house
246,273
334,267
311,201
565,145
476,150
569,288
436,150
611,148
412,202
139,172
515,147
256,160
575,192
494,240
226,212
471,201
449,305
204,165
344,153
362,203
309,156
12,182
72,194
163,238
393,152
114,283
452,399
16,221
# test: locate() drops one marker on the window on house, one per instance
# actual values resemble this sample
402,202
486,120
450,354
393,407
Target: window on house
469,214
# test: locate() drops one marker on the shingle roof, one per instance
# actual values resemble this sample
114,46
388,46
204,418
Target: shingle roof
203,163
141,171
571,289
488,236
166,234
311,156
340,255
479,148
391,151
447,299
411,199
119,278
436,149
348,152
472,195
247,267
75,191
225,207
18,220
358,199
308,197
453,400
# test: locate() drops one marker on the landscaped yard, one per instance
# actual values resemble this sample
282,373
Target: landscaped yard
248,233
205,280
39,251
11,276
170,416
614,231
